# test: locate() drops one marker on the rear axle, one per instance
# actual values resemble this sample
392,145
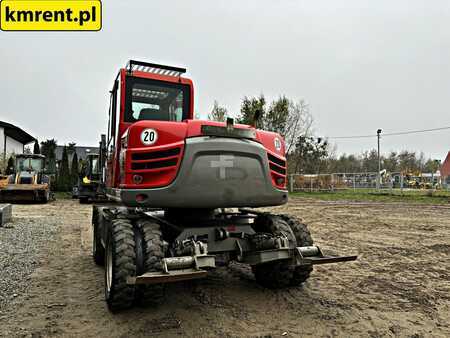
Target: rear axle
279,248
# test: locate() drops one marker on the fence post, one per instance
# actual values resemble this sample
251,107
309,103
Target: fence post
291,183
354,182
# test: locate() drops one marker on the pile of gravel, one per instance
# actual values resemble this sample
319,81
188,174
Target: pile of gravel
21,242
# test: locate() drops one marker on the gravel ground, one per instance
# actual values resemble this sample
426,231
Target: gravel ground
21,242
398,287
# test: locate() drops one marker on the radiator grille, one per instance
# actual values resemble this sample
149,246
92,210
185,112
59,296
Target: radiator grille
155,154
155,159
26,180
154,165
277,169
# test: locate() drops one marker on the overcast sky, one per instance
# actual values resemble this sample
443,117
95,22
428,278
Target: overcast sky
361,65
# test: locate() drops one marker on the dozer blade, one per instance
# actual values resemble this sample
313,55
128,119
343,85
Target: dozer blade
17,196
19,193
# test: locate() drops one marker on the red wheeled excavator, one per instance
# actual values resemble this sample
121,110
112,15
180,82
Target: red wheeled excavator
183,193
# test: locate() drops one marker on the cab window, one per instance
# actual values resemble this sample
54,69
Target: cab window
156,100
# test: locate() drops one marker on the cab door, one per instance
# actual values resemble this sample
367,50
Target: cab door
111,144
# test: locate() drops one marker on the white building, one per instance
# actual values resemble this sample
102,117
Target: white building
13,139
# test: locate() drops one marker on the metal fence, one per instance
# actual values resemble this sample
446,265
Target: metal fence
367,180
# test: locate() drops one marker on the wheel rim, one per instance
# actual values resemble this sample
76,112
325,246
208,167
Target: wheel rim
109,268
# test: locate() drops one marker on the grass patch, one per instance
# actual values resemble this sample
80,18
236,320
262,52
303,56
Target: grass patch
62,195
410,196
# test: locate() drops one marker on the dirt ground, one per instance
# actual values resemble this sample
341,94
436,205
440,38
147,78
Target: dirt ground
399,287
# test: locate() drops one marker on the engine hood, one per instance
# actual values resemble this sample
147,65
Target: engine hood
26,177
171,133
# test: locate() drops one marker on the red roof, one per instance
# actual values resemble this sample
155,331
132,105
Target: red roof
445,169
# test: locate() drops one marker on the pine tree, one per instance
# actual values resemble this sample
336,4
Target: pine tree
36,149
48,149
64,172
74,170
10,166
250,109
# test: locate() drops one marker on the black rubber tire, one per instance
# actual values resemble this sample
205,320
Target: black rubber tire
121,257
303,238
98,251
153,246
46,197
84,200
278,274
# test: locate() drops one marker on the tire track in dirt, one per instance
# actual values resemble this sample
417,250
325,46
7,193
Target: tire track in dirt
398,287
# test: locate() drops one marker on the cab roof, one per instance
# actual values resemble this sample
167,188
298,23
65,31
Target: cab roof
154,68
153,71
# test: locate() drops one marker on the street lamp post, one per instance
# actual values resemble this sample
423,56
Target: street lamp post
379,160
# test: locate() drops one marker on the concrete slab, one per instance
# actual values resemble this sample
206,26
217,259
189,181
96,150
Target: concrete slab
5,213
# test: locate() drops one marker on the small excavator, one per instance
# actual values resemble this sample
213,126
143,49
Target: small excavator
89,187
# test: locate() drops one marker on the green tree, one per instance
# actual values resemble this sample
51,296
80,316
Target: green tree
408,162
36,149
309,155
10,166
250,107
286,117
431,166
276,117
218,113
344,164
390,163
74,170
48,149
71,148
370,161
404,161
64,178
353,164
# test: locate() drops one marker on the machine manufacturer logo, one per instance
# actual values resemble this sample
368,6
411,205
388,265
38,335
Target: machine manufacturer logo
224,162
277,144
149,136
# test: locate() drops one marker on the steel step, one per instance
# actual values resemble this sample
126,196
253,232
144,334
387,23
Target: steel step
172,276
328,259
